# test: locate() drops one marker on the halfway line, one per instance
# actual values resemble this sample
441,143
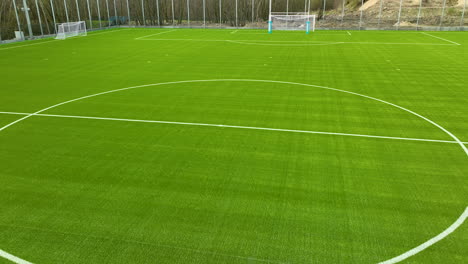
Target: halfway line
231,126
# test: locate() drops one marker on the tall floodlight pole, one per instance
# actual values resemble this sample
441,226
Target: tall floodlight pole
115,13
270,23
143,12
324,7
360,16
128,13
253,11
237,25
287,7
157,11
399,15
16,15
66,10
108,14
220,14
380,11
28,20
53,14
463,15
99,13
89,15
77,10
39,18
204,13
188,12
419,14
442,14
342,11
173,18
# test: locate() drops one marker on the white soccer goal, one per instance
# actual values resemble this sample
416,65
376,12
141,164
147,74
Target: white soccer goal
291,21
71,29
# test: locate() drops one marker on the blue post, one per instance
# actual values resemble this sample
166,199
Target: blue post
307,27
270,26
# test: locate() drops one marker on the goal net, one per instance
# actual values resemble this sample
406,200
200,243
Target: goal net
71,29
291,21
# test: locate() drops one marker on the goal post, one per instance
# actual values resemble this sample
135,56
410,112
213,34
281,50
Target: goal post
291,21
71,29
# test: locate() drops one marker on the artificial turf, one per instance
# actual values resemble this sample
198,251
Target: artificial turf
78,190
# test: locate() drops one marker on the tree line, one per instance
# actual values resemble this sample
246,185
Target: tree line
104,13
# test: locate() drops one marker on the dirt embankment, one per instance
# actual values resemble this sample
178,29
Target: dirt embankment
372,3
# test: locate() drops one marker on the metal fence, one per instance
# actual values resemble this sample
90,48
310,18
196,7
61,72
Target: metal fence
38,18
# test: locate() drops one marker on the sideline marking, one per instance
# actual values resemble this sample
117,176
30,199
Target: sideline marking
39,43
427,34
12,258
402,256
231,126
431,241
55,40
164,32
306,42
234,32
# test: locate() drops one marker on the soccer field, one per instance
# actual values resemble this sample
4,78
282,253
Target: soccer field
235,146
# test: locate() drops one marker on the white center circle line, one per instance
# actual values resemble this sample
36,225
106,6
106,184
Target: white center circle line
399,258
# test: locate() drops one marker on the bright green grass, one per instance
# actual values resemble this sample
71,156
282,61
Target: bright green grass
99,191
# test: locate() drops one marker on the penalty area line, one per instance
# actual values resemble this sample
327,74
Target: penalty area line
430,35
160,33
231,126
285,41
12,258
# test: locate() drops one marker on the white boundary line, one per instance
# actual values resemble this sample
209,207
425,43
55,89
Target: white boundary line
349,33
234,32
279,44
55,40
427,34
38,43
431,241
305,42
403,256
233,126
12,258
159,33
